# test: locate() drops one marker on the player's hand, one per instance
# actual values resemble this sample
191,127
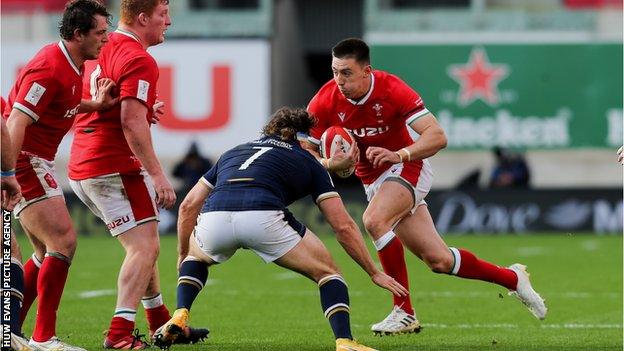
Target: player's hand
378,156
387,282
165,196
159,111
11,192
104,97
342,161
620,154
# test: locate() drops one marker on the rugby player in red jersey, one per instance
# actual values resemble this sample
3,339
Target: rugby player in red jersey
377,108
114,170
41,108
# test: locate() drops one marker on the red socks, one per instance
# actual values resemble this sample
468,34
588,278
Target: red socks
156,312
50,285
467,265
31,273
121,327
393,262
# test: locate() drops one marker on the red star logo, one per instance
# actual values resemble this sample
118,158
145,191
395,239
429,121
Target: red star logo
478,78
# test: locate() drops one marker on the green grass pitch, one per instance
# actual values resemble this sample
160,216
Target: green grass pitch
249,305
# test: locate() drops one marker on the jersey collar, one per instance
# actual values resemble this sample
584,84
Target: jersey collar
69,59
363,100
127,33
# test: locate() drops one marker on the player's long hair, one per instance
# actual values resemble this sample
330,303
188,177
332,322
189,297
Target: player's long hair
287,122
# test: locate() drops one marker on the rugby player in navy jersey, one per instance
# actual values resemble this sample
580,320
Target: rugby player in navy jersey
242,202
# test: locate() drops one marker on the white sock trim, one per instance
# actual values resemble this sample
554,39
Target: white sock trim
330,277
457,264
152,302
384,240
188,277
125,313
192,258
36,261
333,307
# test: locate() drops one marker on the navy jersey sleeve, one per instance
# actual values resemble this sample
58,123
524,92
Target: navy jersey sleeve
322,185
210,178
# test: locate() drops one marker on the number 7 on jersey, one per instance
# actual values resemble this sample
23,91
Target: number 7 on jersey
253,157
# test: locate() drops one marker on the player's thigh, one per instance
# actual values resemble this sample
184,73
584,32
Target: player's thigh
214,236
48,220
418,233
309,257
390,203
196,252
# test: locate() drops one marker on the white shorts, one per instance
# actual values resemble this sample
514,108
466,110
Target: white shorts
419,189
37,178
122,201
270,234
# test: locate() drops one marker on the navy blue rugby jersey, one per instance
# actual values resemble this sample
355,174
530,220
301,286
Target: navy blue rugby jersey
265,174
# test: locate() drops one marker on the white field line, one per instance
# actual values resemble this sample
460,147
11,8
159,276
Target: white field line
89,294
514,326
96,293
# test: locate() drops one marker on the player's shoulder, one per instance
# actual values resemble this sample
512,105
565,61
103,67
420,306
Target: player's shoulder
47,62
325,95
131,52
142,58
388,80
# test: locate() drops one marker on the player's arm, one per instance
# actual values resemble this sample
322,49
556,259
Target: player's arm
349,236
432,139
17,123
11,192
137,132
103,99
187,215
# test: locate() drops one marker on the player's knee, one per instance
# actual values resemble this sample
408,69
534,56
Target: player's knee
374,225
438,263
65,243
323,269
151,251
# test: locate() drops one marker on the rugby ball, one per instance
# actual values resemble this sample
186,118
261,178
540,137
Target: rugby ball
337,139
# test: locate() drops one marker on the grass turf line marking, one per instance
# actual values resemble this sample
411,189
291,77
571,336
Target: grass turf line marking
96,293
514,326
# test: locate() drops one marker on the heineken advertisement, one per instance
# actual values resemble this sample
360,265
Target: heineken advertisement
535,96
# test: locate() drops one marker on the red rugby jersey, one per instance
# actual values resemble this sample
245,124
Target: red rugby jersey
380,118
99,145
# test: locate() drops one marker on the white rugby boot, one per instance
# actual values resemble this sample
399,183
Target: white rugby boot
54,344
397,322
19,343
525,293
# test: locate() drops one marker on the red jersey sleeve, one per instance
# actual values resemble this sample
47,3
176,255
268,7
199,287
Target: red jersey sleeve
139,81
36,91
2,107
410,104
315,108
